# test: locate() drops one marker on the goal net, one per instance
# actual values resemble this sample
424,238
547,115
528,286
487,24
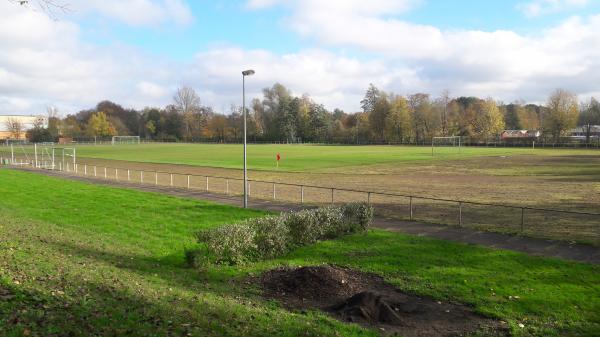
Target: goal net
448,142
125,140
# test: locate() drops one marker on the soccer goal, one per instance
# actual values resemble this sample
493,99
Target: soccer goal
125,140
20,155
449,141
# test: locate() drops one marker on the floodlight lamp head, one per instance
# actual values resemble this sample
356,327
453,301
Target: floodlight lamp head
248,72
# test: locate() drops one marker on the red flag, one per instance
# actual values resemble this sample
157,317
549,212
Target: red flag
278,157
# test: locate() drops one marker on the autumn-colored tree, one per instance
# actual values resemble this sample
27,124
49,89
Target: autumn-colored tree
99,126
562,113
398,122
363,128
151,127
425,120
218,127
489,121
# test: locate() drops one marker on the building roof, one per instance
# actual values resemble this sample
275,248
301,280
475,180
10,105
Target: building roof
520,133
583,129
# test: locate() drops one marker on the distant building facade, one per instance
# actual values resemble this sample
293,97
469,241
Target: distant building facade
520,135
581,132
16,126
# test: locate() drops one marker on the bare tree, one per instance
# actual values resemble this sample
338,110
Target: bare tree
188,104
14,126
186,100
589,116
443,101
563,112
50,7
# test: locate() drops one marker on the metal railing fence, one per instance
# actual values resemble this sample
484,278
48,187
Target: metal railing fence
532,221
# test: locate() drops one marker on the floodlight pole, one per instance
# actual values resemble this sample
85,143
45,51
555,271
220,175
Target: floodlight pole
244,74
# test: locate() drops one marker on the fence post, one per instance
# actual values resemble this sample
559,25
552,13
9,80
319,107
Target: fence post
128,175
227,186
206,183
522,218
141,177
156,178
411,207
85,169
75,169
105,175
188,181
116,174
302,194
95,173
171,179
274,196
460,213
332,195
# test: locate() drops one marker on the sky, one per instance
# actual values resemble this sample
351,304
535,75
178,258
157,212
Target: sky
138,52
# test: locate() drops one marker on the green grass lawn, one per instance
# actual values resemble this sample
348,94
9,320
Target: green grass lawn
297,157
82,259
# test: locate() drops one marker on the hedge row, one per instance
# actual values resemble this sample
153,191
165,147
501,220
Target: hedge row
273,236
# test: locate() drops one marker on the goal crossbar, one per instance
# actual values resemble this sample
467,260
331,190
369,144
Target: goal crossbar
125,140
454,141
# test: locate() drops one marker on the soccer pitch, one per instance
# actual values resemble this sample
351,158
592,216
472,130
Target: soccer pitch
300,158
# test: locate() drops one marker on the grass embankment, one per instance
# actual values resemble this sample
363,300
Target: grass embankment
296,158
80,259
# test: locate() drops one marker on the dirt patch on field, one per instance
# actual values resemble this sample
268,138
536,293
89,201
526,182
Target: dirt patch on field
366,299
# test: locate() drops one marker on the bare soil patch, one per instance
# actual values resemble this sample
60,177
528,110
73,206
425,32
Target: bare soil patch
366,299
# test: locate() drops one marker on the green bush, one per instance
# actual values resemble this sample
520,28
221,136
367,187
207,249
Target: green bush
302,226
233,244
273,236
360,214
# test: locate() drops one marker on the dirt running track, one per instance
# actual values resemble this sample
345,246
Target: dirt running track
531,246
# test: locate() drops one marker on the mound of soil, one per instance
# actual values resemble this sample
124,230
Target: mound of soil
366,299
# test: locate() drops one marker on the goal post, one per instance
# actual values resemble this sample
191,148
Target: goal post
447,141
125,140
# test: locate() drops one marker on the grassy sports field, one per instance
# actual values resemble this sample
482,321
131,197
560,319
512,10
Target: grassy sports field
87,259
302,158
564,179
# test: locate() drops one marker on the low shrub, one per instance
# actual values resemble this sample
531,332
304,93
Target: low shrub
232,244
303,227
360,214
273,236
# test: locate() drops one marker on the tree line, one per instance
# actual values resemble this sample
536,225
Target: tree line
279,116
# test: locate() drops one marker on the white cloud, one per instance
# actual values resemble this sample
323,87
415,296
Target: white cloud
540,7
43,62
152,93
501,63
333,80
257,4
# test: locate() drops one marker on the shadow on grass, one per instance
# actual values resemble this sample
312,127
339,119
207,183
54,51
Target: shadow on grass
483,278
93,309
